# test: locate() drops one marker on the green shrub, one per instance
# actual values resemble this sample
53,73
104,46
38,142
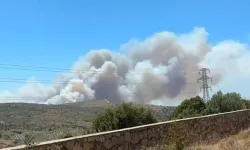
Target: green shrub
220,103
189,108
123,116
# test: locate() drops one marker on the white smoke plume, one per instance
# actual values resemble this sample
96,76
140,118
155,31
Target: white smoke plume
161,69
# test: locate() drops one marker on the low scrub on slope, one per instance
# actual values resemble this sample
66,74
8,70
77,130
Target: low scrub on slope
240,141
50,122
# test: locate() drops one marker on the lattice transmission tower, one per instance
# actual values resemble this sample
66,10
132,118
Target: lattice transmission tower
205,86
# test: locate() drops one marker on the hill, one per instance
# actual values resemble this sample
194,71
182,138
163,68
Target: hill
92,103
48,122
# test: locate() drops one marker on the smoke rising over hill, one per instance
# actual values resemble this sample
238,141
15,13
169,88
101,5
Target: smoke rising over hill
161,67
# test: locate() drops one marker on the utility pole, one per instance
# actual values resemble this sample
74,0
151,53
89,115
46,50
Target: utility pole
204,87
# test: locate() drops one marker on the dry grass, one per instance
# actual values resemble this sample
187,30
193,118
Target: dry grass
240,141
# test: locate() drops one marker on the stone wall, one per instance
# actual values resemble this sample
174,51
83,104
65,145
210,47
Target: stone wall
192,130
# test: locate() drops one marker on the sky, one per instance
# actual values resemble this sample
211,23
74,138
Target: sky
56,33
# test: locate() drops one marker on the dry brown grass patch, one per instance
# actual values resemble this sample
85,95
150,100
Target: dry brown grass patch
240,141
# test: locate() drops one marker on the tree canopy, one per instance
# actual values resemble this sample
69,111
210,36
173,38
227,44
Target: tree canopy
128,115
219,103
123,116
189,108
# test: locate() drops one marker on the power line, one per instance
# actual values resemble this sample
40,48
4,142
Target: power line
39,67
60,70
42,98
204,87
19,80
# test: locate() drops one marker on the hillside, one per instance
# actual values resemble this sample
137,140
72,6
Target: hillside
240,141
47,122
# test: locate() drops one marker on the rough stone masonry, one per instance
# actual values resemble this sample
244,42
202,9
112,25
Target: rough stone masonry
208,129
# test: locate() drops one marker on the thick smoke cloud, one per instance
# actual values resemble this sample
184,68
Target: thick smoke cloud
162,68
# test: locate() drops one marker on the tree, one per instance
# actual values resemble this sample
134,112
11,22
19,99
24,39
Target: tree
220,103
189,108
123,116
247,103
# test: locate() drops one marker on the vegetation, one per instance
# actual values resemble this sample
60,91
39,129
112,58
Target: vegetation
65,134
49,122
189,108
123,116
219,103
240,141
28,140
193,107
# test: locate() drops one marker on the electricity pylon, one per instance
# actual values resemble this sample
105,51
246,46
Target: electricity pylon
204,87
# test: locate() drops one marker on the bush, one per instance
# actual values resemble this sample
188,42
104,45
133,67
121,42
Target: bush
220,103
65,134
247,103
189,108
123,116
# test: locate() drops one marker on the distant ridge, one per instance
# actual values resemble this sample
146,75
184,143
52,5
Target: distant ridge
92,103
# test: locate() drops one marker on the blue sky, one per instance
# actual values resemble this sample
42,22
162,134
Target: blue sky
54,33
